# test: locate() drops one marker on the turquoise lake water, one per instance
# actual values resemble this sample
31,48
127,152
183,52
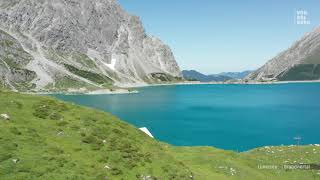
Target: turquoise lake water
234,117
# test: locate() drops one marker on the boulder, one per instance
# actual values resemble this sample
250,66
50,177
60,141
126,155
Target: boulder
5,116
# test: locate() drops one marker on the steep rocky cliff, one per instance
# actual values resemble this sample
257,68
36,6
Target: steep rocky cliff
300,62
78,43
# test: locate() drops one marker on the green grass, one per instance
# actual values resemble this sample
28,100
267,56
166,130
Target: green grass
301,72
72,58
51,139
84,60
97,78
155,78
67,82
210,163
6,43
56,140
308,70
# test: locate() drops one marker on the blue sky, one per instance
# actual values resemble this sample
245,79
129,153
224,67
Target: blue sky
213,36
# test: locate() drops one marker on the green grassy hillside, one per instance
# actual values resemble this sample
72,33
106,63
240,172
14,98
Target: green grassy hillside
49,139
210,163
301,72
309,69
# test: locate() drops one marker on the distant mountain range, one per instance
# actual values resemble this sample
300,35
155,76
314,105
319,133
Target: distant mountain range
224,76
236,75
300,62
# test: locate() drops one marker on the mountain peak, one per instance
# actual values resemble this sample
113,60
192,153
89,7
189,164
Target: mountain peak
70,40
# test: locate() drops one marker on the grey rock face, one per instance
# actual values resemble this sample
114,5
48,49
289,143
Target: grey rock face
13,60
95,36
299,62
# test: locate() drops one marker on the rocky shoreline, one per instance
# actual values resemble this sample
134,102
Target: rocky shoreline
86,92
230,83
135,91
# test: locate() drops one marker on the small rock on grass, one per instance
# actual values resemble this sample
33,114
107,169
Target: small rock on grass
5,116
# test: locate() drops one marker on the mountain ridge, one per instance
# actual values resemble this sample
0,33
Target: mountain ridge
91,37
224,76
197,76
236,75
299,62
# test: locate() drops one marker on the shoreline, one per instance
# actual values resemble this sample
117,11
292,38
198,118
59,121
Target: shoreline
228,83
268,146
80,92
135,91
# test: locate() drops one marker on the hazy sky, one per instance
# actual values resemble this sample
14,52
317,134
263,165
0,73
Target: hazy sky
224,35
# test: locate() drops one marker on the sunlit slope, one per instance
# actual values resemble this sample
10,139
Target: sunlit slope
299,62
49,139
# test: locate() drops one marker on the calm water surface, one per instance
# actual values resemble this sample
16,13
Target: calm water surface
236,117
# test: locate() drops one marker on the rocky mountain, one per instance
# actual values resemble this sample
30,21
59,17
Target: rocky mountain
300,62
197,76
56,44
